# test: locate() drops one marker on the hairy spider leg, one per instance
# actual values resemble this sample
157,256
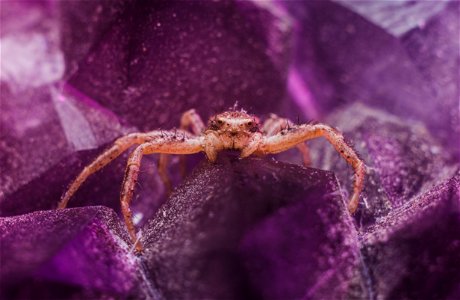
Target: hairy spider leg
169,145
189,120
120,145
275,124
163,162
299,134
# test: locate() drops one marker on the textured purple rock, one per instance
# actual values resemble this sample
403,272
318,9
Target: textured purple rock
307,250
84,249
86,22
414,252
415,76
31,56
403,160
227,229
396,17
24,119
44,129
170,57
435,49
76,76
65,117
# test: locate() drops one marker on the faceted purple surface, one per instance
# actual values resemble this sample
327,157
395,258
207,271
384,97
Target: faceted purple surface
52,159
231,243
84,248
403,160
317,231
415,76
396,17
199,50
414,252
434,49
74,76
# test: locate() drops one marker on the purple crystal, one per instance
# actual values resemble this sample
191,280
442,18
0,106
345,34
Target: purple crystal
239,228
83,248
403,160
397,17
434,49
414,76
76,76
159,59
414,252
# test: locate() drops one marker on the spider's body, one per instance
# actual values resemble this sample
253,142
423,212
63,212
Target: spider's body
231,130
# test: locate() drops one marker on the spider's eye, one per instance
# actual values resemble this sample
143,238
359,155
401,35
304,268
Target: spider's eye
213,125
253,127
220,122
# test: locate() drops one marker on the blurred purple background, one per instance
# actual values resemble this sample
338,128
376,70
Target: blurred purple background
75,75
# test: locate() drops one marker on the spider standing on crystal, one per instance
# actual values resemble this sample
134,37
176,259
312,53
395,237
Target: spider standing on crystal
232,130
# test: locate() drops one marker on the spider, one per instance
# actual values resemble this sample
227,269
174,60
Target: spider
232,130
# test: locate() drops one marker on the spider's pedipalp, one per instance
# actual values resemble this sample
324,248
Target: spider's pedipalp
252,145
299,134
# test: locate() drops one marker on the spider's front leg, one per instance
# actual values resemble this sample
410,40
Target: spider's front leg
289,138
275,124
120,145
168,145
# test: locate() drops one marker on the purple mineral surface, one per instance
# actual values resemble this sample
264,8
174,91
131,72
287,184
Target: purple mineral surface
76,75
258,220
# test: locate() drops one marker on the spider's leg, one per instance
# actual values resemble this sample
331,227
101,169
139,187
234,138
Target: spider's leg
101,161
289,138
163,171
169,145
190,120
275,124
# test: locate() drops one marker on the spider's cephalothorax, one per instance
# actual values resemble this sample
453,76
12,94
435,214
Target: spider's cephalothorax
234,130
233,123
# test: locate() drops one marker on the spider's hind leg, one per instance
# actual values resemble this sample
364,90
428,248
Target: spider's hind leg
163,163
275,124
190,120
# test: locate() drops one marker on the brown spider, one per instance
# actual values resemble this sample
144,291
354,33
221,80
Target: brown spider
235,130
